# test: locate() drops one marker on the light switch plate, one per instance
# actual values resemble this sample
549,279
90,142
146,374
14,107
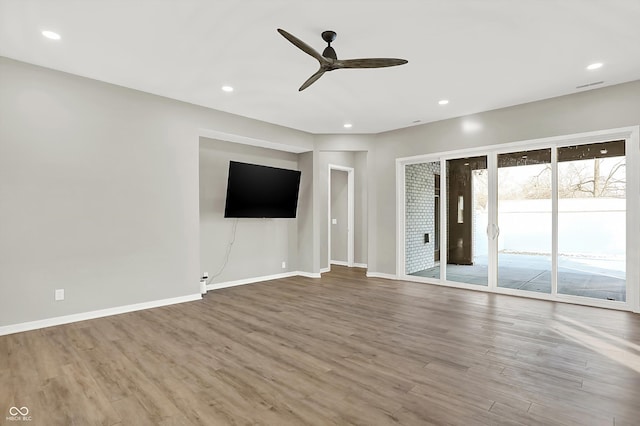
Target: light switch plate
334,221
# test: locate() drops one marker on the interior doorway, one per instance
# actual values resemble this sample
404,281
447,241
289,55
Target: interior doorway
341,214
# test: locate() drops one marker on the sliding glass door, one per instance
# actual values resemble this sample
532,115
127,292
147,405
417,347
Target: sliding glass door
524,220
467,245
550,221
592,220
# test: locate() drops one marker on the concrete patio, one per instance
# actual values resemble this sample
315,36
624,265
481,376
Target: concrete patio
587,277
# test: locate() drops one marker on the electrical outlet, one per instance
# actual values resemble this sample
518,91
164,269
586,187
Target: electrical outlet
205,275
59,295
284,264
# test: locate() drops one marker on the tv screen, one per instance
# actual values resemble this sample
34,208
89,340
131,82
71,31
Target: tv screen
261,191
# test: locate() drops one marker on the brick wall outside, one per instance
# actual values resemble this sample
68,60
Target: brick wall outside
420,218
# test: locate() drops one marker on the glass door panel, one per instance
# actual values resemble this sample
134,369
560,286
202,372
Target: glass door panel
592,220
467,197
422,219
524,221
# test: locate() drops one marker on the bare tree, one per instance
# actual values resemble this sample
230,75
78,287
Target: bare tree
540,185
599,177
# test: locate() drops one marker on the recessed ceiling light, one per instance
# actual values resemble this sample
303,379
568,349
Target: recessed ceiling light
227,89
443,102
594,66
348,125
51,35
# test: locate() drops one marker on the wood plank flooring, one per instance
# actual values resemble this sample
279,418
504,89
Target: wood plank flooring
340,350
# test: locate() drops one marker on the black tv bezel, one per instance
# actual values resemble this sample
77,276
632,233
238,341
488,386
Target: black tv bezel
237,215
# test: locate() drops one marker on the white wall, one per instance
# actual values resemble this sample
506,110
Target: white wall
361,224
308,253
99,192
604,218
261,245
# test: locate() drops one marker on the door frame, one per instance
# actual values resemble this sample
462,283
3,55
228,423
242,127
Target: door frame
350,214
631,135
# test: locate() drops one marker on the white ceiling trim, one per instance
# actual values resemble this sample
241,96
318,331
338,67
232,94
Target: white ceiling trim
245,140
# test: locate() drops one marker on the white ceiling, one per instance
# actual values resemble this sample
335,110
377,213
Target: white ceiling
479,54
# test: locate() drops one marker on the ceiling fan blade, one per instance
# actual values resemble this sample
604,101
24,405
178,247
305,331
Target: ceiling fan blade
369,63
312,79
301,45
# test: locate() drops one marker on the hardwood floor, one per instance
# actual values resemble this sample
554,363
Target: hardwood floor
340,350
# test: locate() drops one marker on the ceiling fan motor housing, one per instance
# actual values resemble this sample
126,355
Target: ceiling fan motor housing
329,36
329,52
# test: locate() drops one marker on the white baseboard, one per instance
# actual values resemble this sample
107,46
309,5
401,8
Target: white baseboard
66,319
253,280
341,263
381,275
309,274
323,270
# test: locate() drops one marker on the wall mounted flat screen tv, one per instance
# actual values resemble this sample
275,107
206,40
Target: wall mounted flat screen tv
261,191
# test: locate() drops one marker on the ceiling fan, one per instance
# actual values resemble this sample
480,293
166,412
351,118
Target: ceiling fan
329,60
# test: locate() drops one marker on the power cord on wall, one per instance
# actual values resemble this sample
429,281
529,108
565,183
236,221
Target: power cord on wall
226,256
